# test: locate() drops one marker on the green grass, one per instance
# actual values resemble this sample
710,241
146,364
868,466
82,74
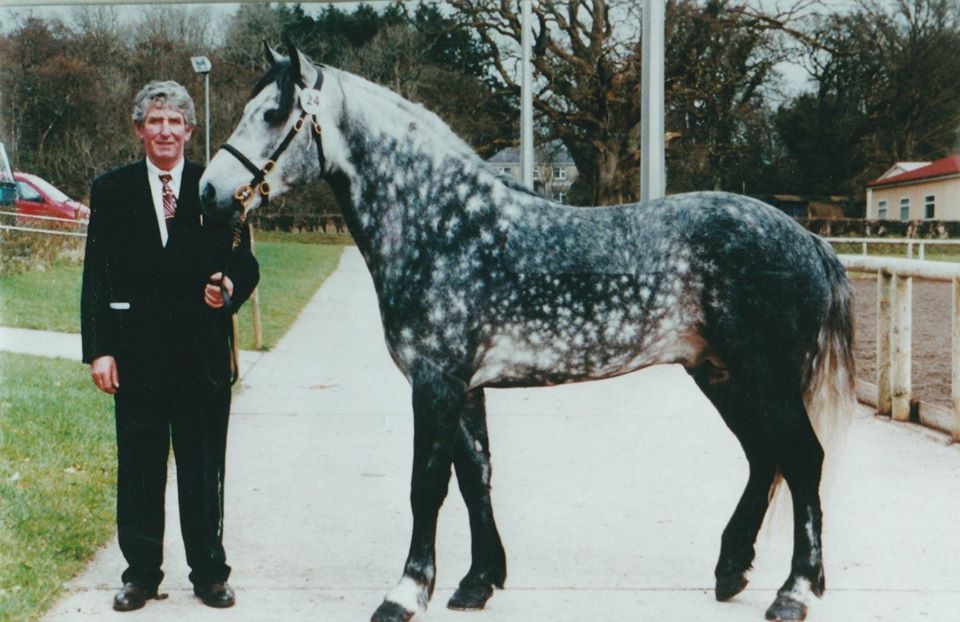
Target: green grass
57,486
290,273
45,300
307,237
292,267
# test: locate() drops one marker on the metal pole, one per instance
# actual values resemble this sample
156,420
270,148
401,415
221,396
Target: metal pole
206,123
653,177
955,380
526,98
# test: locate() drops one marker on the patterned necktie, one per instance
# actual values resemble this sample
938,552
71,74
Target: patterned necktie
169,200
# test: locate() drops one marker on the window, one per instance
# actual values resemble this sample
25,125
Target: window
506,170
536,174
29,193
559,197
905,209
929,206
559,172
881,210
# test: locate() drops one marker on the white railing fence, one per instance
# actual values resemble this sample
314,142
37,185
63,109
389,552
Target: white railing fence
894,318
909,243
70,226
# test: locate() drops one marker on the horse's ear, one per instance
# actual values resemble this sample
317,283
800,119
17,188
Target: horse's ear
273,57
293,53
302,65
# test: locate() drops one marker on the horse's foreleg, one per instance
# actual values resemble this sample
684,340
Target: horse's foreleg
801,459
438,401
471,458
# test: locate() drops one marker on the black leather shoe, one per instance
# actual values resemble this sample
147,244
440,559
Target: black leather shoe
219,595
132,597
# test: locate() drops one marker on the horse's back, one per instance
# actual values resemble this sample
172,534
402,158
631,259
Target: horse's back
721,230
712,270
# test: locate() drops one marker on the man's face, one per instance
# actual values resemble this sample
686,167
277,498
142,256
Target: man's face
164,134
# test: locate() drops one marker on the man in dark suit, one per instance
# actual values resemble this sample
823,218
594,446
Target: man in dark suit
156,333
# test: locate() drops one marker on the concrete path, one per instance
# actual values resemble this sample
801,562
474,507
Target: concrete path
611,497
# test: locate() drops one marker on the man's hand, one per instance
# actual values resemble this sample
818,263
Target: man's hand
103,370
212,294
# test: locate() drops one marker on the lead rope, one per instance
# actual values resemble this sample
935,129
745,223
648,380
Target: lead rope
228,303
234,343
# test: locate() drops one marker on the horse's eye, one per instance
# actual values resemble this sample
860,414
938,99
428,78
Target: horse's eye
272,117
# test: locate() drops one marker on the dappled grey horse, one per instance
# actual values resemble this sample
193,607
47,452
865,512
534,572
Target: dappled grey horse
484,284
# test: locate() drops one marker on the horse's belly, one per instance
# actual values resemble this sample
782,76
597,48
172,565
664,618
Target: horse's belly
515,359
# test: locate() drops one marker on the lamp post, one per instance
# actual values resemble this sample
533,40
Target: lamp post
201,64
653,175
526,97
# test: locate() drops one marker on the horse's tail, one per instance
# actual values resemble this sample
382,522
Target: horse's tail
829,375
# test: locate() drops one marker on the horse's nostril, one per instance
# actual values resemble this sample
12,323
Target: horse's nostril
209,195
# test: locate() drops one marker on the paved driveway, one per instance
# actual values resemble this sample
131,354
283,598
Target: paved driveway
610,496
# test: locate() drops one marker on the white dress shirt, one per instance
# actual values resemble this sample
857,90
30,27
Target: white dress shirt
156,191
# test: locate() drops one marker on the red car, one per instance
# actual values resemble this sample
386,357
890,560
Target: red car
38,197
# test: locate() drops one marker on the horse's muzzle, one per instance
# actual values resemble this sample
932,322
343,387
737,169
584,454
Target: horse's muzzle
216,206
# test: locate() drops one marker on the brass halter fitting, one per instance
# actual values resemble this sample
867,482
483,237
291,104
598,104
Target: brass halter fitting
243,194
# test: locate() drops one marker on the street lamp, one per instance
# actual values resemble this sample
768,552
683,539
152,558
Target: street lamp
201,64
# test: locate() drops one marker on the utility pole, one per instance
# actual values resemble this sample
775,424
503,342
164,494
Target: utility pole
653,169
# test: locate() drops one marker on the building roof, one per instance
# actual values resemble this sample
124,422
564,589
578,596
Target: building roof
943,167
902,167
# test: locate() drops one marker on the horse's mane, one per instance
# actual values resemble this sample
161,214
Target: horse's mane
391,113
366,93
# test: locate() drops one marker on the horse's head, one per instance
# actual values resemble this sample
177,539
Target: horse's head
278,142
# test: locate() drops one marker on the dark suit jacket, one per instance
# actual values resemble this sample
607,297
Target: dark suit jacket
168,335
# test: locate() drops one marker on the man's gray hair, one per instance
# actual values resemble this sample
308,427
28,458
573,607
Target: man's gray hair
166,93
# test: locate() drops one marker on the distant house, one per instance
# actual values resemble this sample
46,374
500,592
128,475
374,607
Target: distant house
553,173
807,206
917,191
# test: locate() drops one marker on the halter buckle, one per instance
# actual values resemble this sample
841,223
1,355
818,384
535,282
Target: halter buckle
298,125
243,194
264,188
268,167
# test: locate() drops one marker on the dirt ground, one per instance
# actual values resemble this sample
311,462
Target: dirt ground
930,338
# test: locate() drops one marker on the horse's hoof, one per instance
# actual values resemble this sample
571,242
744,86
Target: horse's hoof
786,609
730,585
470,597
389,611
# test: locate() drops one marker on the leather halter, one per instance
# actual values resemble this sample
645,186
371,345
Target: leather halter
258,184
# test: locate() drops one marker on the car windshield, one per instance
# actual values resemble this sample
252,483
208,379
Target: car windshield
5,173
52,191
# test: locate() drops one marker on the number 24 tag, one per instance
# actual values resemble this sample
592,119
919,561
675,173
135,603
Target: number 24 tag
310,101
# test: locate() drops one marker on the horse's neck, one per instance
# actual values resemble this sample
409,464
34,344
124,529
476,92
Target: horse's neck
395,179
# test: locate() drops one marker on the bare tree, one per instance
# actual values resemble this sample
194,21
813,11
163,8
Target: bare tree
720,56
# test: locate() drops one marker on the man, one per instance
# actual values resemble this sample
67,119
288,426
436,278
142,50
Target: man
156,333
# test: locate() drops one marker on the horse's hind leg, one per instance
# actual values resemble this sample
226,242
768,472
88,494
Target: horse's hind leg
471,458
438,401
800,457
737,543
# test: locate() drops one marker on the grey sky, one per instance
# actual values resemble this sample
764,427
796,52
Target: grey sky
795,77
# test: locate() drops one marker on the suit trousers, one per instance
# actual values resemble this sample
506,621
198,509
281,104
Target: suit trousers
195,418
